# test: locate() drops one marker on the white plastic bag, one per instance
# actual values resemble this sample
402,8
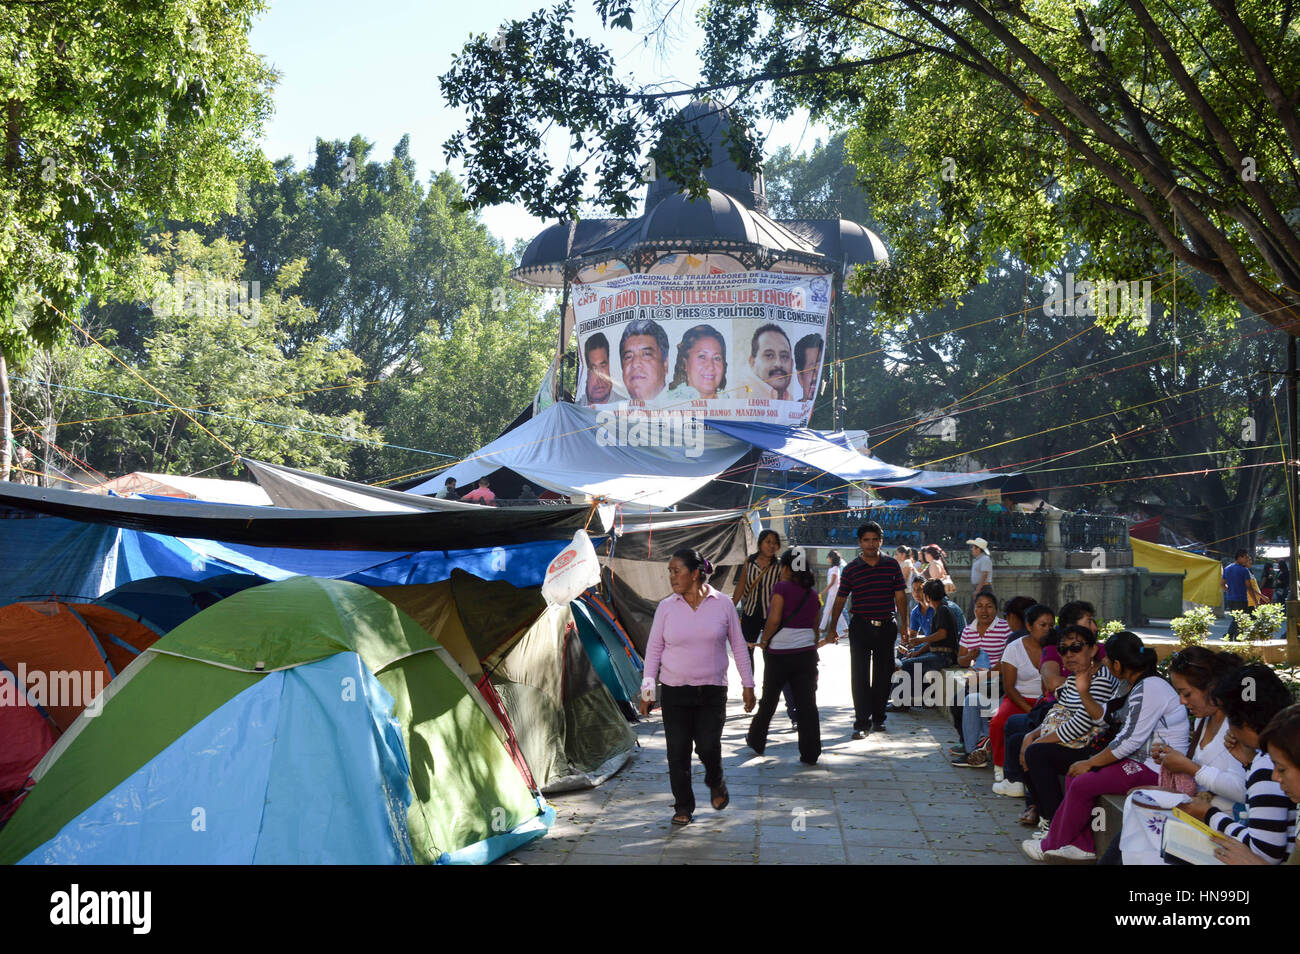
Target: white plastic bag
572,572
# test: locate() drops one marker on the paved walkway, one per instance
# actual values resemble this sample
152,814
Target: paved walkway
892,798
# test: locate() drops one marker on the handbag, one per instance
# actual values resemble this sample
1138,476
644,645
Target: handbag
1057,717
1183,783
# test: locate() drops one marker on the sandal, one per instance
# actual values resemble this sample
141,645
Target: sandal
681,819
720,793
1029,818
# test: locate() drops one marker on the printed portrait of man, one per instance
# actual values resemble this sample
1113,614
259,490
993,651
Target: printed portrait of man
807,362
643,354
771,360
596,357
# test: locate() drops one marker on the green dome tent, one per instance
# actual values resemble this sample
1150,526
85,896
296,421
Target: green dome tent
309,720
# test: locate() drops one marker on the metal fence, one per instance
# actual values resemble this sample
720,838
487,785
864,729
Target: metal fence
1087,531
951,528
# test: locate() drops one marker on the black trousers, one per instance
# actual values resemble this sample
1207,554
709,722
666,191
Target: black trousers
871,653
693,716
798,673
1048,761
751,627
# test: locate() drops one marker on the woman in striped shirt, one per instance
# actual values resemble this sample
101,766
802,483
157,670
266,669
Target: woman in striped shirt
754,591
1151,714
1071,730
1251,696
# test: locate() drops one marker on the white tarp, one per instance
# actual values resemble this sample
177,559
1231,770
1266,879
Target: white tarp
575,451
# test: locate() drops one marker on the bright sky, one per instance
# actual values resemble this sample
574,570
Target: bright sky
372,68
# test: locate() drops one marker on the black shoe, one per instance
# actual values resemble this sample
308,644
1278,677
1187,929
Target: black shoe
807,761
890,707
880,727
794,726
860,733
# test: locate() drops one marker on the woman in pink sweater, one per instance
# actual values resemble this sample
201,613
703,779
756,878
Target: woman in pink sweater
687,654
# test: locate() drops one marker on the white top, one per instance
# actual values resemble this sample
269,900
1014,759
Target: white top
1028,682
1152,712
1220,772
979,566
790,637
833,581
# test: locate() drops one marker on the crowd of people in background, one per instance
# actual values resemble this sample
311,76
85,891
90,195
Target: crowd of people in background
1060,717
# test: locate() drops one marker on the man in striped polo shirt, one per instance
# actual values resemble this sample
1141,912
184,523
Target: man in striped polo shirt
875,582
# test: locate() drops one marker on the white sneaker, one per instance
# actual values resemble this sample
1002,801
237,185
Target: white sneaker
1032,849
1044,826
1071,853
998,774
1009,789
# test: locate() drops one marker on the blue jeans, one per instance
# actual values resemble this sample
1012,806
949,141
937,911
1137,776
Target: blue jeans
974,724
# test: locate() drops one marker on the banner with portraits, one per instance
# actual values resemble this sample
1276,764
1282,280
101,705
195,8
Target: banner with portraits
743,345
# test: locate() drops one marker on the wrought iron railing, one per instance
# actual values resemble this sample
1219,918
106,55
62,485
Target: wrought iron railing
951,528
1087,531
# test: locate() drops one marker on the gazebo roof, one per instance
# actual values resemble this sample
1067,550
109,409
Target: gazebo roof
730,221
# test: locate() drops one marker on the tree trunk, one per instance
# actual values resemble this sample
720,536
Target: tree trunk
6,428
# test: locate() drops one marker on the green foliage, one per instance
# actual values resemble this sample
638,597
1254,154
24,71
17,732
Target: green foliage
187,326
1263,622
114,120
1193,627
1126,406
1108,628
1146,136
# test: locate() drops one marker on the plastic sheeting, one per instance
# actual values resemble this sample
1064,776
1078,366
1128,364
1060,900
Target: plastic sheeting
45,556
810,447
561,449
290,771
1204,580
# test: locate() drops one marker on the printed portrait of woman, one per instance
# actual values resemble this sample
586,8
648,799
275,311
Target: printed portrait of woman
701,369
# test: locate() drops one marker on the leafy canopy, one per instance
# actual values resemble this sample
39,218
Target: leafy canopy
1147,135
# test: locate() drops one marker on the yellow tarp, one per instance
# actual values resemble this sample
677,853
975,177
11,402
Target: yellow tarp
1204,580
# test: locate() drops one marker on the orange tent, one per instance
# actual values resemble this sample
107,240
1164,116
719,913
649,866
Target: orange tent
63,654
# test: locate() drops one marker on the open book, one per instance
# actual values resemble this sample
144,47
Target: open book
1189,839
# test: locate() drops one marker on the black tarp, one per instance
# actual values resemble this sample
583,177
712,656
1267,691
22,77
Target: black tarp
307,529
635,572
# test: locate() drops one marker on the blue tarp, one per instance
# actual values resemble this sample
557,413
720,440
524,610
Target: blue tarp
262,780
44,556
809,447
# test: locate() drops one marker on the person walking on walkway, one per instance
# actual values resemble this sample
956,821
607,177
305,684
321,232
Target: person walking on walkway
687,654
754,591
832,588
789,643
981,569
879,611
1236,587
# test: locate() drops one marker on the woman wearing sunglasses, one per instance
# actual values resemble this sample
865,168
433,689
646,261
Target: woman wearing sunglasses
1151,714
1072,729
